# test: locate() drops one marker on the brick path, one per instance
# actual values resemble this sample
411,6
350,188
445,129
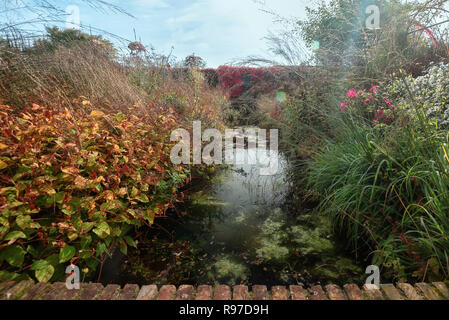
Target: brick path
28,290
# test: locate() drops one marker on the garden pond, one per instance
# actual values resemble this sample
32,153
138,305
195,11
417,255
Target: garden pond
238,227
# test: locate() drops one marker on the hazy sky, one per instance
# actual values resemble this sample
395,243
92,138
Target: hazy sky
217,30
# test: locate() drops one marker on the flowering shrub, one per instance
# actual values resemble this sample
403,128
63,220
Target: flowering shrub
370,105
430,91
74,184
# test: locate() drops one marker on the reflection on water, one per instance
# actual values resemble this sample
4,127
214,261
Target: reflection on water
237,232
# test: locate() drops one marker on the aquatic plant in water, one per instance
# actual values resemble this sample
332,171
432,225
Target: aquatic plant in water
230,271
310,241
272,237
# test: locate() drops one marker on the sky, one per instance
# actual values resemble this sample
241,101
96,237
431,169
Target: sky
219,31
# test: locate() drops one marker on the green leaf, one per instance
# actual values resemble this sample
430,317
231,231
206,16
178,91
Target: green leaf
134,192
5,275
59,197
85,241
130,241
66,253
31,250
6,190
92,264
85,254
72,236
3,165
53,259
68,212
87,226
108,241
123,247
23,222
39,264
14,235
14,255
101,248
142,198
102,230
43,270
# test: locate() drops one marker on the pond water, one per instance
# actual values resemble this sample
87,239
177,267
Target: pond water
236,229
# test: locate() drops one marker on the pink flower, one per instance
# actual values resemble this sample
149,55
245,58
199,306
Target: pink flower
368,100
373,88
351,93
392,106
388,102
343,104
379,112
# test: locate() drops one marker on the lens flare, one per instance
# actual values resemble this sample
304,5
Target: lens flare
281,96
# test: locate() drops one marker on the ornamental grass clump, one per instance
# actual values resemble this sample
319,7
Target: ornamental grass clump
386,186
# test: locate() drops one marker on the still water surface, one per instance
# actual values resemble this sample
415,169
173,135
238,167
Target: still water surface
235,229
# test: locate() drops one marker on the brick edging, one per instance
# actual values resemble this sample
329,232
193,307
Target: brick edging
28,290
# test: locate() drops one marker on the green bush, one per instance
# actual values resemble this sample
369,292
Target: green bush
386,187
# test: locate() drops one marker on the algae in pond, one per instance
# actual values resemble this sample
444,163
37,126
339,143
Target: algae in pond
229,271
236,232
271,238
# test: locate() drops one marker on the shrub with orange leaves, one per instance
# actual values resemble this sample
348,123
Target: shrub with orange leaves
74,184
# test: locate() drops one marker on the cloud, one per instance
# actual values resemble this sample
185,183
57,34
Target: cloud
217,30
150,4
232,29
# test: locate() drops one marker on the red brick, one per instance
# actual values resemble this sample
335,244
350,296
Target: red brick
17,290
36,291
334,292
147,292
279,293
391,292
110,292
185,292
222,292
297,292
54,291
260,292
167,292
5,285
409,291
91,291
240,292
353,292
428,291
204,292
442,289
372,292
317,293
129,292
